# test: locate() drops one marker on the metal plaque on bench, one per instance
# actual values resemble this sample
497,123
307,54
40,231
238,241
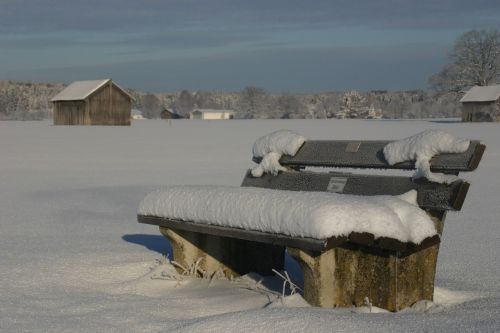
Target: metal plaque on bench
353,147
336,184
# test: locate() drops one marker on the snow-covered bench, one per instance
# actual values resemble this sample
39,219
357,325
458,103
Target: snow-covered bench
352,239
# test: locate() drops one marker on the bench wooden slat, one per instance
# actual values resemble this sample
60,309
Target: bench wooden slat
369,154
305,243
250,235
430,195
363,238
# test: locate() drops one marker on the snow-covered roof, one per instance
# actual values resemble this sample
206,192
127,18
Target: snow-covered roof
482,94
213,111
80,90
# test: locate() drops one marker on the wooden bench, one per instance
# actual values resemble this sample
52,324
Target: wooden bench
339,271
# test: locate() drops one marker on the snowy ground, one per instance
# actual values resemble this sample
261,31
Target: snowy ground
74,259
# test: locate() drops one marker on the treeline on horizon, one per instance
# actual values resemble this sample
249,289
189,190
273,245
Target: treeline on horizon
474,61
31,101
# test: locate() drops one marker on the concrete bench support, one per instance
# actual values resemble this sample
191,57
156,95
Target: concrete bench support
230,257
352,275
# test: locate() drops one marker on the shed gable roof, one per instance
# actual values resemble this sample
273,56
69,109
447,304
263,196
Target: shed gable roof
80,90
482,94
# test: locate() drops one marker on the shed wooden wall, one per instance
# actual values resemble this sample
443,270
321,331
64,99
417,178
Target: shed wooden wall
71,113
481,111
166,115
106,106
109,106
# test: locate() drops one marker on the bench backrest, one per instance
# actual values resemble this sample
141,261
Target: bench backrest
366,155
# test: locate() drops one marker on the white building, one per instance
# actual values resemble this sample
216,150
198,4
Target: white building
137,114
211,114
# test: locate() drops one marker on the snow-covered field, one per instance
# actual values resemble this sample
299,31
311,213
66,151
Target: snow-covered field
74,259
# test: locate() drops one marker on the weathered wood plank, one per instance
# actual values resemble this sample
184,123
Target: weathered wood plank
363,238
250,235
430,195
306,243
370,155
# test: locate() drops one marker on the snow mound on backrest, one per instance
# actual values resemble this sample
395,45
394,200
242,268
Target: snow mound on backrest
317,215
421,148
282,142
270,163
271,147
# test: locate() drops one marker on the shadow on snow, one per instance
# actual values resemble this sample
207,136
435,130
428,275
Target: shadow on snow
155,243
162,246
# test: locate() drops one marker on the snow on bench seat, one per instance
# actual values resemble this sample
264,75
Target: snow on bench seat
315,215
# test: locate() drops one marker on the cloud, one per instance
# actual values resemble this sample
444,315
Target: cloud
294,70
188,39
149,15
171,39
227,44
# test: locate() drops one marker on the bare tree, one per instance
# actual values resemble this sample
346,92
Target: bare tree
185,103
475,61
290,106
251,97
151,106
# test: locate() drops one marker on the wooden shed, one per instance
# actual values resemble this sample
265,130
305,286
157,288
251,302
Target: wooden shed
97,102
168,114
481,104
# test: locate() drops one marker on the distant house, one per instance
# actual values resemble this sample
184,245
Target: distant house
481,104
99,102
211,114
168,114
137,114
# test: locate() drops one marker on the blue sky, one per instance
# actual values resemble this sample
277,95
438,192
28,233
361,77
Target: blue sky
282,45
